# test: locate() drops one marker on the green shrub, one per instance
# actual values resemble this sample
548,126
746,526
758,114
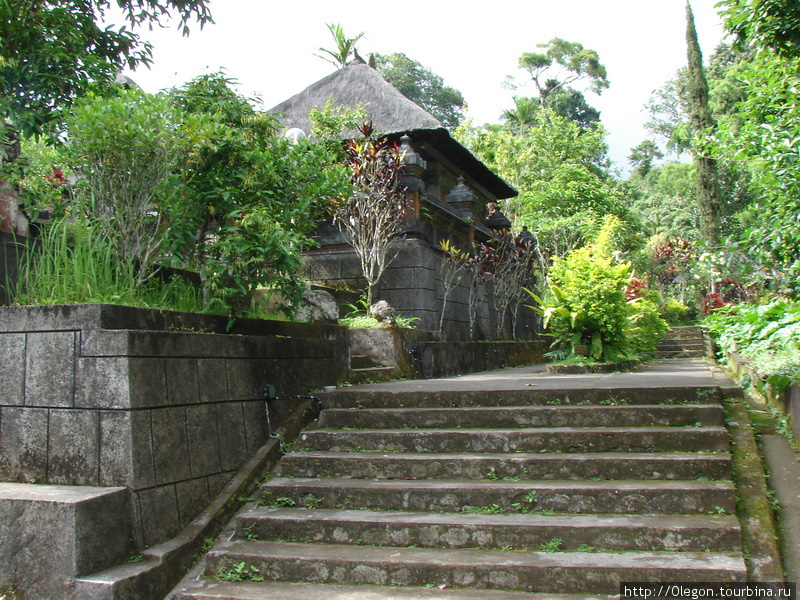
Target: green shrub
586,303
674,312
767,334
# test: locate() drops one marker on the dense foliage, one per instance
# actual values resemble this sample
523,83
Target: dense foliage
422,86
587,305
768,335
198,179
52,51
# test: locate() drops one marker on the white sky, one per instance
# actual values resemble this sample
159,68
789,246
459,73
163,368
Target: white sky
269,47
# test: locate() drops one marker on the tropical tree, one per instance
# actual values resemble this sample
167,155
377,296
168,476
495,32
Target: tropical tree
771,24
345,46
561,64
52,51
421,85
568,103
703,124
643,155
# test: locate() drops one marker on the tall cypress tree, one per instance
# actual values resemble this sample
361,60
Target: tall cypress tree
702,122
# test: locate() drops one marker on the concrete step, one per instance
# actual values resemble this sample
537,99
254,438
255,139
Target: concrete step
277,590
557,572
509,531
372,374
681,353
362,361
551,439
680,345
612,497
523,416
378,398
524,466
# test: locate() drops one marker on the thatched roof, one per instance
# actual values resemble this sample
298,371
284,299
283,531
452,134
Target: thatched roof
391,113
352,85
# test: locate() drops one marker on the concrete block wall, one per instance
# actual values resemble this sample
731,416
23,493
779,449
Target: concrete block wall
169,415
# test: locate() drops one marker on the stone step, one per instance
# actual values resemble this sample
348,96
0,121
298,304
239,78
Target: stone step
378,398
612,497
551,439
362,361
509,531
372,374
681,353
680,345
556,572
522,416
524,466
278,590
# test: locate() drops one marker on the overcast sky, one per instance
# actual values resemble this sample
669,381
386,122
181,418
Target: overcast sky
269,47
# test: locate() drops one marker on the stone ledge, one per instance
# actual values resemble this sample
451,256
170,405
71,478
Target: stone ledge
51,534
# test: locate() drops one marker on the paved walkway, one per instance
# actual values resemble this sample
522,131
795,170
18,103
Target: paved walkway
664,373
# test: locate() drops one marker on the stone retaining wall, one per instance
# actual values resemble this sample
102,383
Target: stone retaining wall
171,415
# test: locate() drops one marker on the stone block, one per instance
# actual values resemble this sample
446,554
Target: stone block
116,450
255,426
212,380
181,380
158,508
148,382
74,447
12,372
142,447
104,342
51,534
230,428
102,383
23,444
170,445
50,369
193,497
242,383
201,431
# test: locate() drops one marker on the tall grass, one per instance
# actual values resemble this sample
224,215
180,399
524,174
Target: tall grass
75,263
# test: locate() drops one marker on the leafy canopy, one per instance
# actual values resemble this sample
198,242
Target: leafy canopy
52,51
422,86
561,64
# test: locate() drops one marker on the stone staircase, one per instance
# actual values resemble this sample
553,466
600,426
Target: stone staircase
682,342
485,494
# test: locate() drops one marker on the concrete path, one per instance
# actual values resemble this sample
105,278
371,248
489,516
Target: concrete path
663,373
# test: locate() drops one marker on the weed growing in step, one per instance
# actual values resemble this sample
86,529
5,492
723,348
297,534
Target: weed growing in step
585,548
283,502
346,502
492,474
313,501
491,509
239,572
553,545
135,558
555,402
248,533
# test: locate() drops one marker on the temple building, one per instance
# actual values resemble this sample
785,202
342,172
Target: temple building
448,191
